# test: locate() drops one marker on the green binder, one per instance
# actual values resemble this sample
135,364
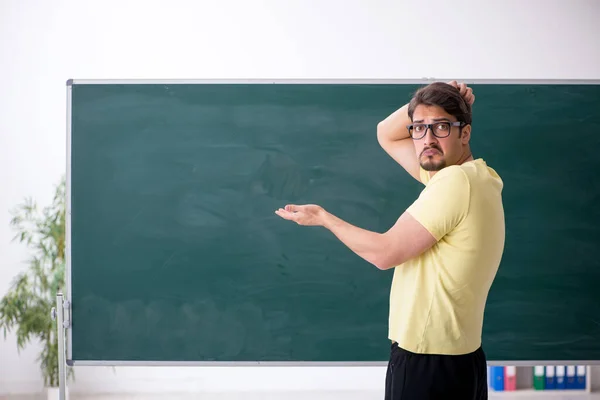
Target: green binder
539,376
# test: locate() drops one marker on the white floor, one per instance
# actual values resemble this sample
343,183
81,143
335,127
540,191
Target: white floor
296,396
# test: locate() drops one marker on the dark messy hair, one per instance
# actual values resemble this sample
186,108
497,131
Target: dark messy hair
442,95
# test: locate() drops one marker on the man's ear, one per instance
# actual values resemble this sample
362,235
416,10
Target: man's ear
465,134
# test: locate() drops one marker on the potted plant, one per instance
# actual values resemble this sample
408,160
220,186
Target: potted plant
27,305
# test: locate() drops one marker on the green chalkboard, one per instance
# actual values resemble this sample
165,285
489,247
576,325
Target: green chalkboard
176,254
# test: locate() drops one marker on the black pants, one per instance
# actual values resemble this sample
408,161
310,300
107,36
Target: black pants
432,377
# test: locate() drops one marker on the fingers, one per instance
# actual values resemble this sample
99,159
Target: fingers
289,212
469,96
286,214
296,208
465,92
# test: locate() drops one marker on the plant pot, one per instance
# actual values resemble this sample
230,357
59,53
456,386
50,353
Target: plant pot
52,393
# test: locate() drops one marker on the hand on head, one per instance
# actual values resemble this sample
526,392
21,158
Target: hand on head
465,91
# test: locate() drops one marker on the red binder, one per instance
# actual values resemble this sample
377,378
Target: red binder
510,378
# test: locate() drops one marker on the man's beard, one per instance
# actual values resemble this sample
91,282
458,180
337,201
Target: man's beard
429,164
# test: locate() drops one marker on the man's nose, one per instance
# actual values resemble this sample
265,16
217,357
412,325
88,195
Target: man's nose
429,137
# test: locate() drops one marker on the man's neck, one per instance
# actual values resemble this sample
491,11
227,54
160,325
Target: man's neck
465,158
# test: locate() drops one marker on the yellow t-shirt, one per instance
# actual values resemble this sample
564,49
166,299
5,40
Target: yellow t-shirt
437,299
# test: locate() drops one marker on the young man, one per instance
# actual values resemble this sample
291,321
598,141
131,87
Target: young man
445,248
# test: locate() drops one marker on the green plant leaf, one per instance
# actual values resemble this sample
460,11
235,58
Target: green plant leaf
25,308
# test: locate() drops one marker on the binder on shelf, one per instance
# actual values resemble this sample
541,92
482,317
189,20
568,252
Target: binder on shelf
580,377
571,381
550,381
560,378
497,378
539,377
510,378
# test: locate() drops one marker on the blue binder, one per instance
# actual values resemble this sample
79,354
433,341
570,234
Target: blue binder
571,379
561,381
497,378
550,381
580,377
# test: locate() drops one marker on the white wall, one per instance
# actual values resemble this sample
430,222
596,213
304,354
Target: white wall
43,43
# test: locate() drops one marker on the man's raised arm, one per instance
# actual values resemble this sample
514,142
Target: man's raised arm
395,140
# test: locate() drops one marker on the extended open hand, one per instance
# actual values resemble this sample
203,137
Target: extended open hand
309,215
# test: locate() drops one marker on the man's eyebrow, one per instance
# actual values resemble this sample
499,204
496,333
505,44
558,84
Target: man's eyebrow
434,120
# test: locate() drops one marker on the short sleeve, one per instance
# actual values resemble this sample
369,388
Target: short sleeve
444,202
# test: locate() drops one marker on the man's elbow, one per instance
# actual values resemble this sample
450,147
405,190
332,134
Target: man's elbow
386,261
386,255
381,131
384,267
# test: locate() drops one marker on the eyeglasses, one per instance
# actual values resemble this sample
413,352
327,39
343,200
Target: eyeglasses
439,129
